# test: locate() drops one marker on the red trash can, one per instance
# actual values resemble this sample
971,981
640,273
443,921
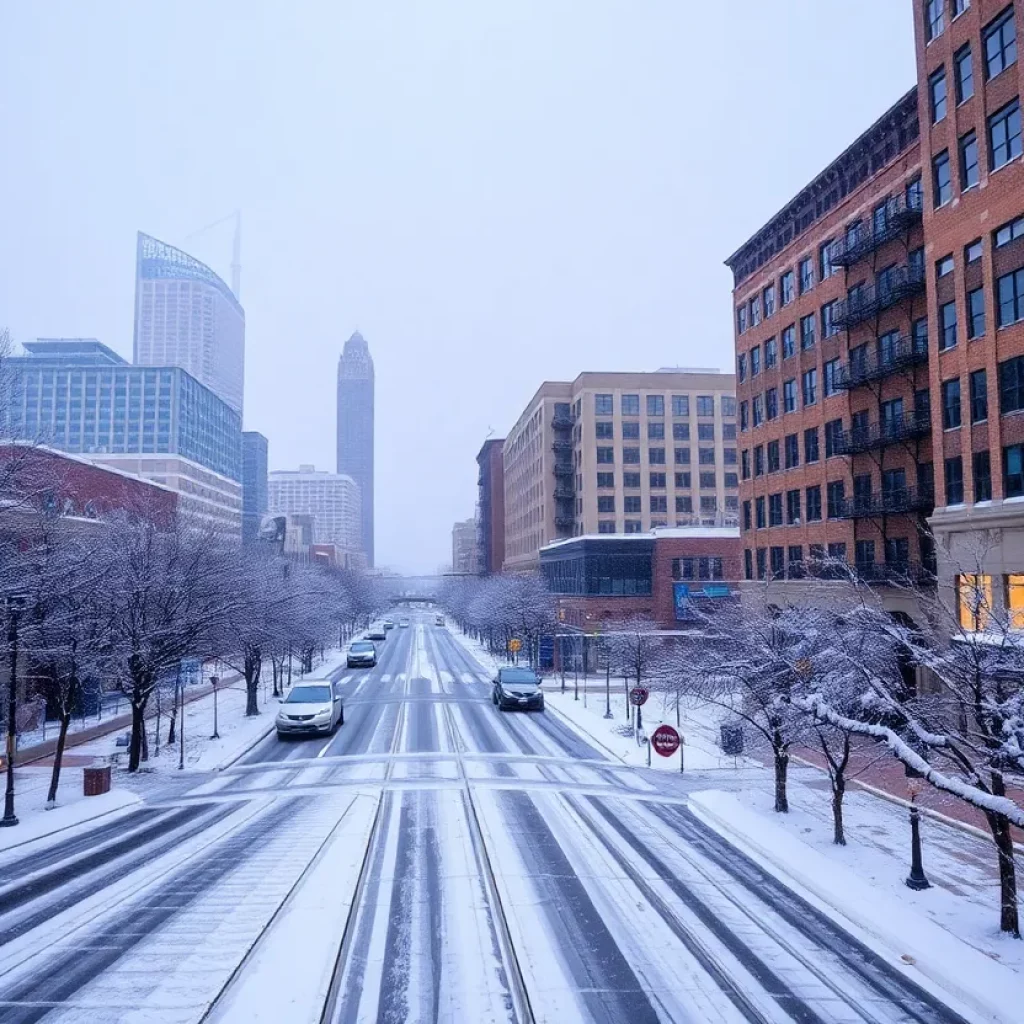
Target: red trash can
96,780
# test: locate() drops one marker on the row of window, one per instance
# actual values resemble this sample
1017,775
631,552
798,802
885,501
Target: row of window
998,37
974,600
632,504
789,561
656,456
629,405
709,567
606,481
981,472
604,430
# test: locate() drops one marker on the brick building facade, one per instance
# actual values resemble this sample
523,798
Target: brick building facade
490,506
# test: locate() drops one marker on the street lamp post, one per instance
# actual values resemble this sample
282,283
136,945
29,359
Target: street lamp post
917,879
14,605
181,723
214,681
608,689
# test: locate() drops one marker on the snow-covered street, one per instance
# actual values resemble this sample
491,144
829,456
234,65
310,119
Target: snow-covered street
437,860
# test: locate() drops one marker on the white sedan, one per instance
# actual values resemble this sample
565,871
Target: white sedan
311,707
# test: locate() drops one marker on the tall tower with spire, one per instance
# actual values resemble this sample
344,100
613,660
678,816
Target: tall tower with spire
355,428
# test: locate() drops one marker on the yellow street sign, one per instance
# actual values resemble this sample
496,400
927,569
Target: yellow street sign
514,645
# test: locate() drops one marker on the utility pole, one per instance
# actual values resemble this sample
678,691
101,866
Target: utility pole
13,610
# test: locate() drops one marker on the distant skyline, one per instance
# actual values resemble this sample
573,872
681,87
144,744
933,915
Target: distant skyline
493,193
356,430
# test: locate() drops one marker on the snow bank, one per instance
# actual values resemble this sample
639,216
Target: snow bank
901,934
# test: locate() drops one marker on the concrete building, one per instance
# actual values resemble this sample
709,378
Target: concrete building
159,423
464,547
355,429
970,85
620,453
331,499
665,576
490,506
254,484
186,316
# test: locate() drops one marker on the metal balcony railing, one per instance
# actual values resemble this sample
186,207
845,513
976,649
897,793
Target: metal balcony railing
895,574
904,353
560,445
872,299
562,422
564,469
885,432
563,522
563,493
894,502
900,213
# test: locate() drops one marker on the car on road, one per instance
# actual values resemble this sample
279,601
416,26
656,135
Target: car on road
361,654
313,706
376,633
388,625
438,620
404,623
517,689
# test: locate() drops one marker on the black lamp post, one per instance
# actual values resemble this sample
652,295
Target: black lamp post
916,880
14,607
214,681
608,689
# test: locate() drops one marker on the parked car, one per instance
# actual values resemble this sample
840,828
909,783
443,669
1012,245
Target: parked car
404,623
376,633
362,654
517,688
311,707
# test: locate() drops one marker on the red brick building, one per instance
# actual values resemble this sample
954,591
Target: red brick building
491,506
602,579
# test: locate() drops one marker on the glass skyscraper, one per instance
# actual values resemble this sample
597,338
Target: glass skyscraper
355,428
254,484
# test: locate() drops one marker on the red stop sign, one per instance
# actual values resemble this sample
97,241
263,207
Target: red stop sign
638,695
665,740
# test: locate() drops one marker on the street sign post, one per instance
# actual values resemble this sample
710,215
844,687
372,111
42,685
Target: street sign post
666,740
638,696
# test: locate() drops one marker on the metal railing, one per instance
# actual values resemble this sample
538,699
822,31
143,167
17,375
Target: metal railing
885,432
904,353
900,213
872,299
564,469
892,502
899,574
562,422
560,445
562,493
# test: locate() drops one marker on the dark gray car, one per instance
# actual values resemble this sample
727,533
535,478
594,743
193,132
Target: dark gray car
517,689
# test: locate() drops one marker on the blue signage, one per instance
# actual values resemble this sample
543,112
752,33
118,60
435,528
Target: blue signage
681,600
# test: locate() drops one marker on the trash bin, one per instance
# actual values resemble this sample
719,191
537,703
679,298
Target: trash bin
732,740
96,781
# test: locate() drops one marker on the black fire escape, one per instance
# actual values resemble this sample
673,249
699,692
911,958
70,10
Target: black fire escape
565,471
874,361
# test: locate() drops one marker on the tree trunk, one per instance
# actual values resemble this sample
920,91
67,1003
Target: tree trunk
58,757
251,664
135,744
145,740
1009,920
781,767
273,667
838,791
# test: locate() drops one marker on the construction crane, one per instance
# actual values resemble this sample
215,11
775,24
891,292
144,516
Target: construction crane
236,258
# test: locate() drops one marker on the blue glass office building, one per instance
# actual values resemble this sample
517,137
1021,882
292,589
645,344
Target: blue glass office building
80,396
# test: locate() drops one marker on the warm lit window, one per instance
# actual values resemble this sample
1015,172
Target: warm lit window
1015,600
974,601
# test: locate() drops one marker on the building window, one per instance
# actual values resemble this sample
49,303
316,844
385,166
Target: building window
705,405
942,180
760,564
944,266
937,91
1013,471
947,324
655,405
682,480
631,504
1004,139
789,396
773,457
1007,233
1015,600
606,503
605,479
606,526
795,559
771,401
631,430
604,429
959,6
748,564
789,341
811,444
755,360
864,554
759,460
833,437
825,268
655,431
836,494
745,463
705,431
728,406
776,556
1000,39
968,161
974,601
807,331
934,18
771,353
951,403
829,377
813,495
768,297
806,268
954,481
657,481
684,504
981,464
606,456
746,515
792,446
793,507
976,313
741,367
706,456
755,310
758,410
979,396
682,456
1010,296
707,481
973,251
630,405
603,405
659,504
680,405
810,387
730,480
759,515
632,526
630,456
787,288
681,431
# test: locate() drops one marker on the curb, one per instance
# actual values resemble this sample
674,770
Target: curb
229,761
83,821
589,735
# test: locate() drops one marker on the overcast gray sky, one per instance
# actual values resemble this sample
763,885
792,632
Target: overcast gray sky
495,192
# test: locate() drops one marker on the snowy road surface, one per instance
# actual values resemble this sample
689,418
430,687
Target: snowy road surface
434,860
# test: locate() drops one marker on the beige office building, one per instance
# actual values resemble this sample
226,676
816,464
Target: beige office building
620,453
464,547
